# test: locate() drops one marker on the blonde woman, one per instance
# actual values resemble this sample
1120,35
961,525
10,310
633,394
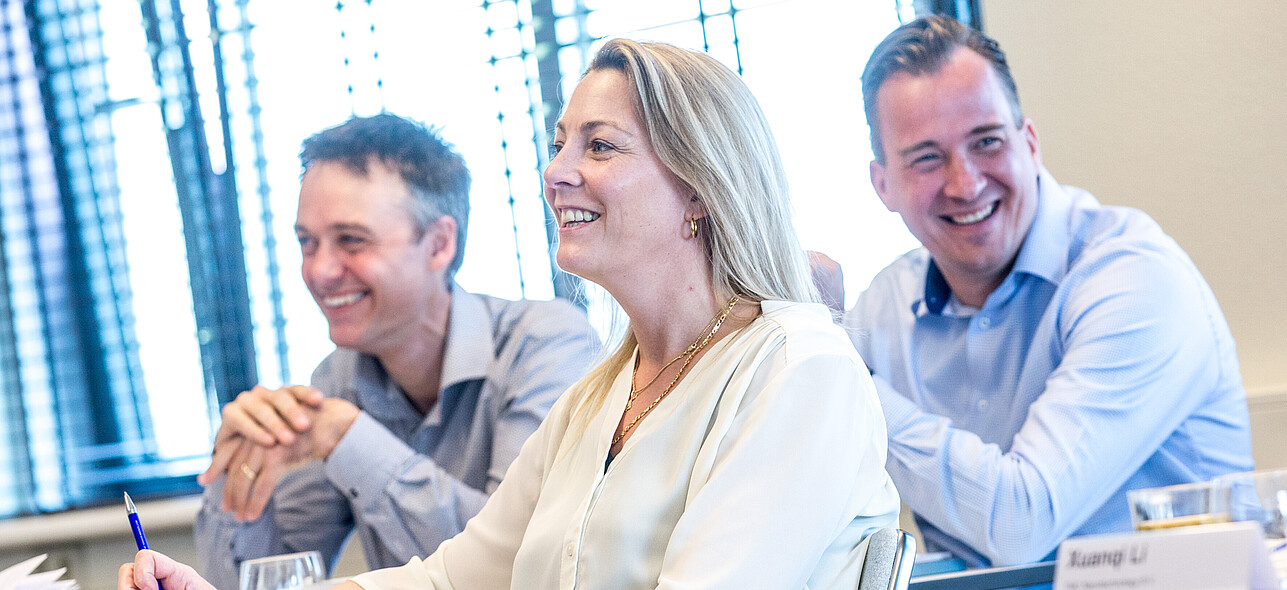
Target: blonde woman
733,439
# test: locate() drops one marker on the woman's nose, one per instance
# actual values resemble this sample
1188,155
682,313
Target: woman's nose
561,170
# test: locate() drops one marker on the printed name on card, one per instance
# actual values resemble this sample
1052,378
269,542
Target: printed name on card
1206,557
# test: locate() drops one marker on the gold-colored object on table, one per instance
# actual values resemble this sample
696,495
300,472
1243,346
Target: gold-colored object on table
1179,521
1179,505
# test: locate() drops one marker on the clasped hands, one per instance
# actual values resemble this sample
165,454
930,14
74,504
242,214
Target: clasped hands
266,433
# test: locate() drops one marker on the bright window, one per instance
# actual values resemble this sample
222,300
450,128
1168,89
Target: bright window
118,170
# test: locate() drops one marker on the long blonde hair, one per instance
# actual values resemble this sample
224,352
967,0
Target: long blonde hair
708,130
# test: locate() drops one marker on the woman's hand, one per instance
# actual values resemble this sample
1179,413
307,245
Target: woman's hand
151,569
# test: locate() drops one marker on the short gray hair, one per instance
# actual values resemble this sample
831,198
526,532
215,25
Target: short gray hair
431,168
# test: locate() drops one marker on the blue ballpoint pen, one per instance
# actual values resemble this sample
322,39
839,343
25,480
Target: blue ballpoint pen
139,538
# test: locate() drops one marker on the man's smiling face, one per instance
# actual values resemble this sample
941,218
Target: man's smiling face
958,170
368,268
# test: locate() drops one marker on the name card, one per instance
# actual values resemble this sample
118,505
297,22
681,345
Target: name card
1206,557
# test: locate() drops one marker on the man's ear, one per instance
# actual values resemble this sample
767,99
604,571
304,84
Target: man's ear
1034,143
441,247
878,181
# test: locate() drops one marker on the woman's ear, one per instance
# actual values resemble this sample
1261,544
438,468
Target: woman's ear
696,209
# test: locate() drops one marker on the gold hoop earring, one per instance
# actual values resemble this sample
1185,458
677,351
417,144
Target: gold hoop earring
692,227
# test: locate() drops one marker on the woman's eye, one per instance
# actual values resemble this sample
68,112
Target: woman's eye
555,148
599,145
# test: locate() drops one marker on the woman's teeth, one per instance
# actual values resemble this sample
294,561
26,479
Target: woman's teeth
570,217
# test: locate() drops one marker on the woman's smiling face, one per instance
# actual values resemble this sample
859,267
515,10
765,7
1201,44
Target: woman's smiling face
619,209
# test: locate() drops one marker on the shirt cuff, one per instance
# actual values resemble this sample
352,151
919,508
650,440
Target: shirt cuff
367,457
223,543
212,499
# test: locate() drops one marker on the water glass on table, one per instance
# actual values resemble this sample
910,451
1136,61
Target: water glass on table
1179,505
283,572
1261,496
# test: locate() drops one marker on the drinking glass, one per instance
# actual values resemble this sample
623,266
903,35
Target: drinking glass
282,572
1179,505
1261,496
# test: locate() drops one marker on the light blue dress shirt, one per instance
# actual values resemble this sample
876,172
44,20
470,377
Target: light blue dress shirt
1101,364
406,482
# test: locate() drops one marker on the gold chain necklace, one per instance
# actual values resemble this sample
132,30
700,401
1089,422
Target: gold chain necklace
634,391
687,355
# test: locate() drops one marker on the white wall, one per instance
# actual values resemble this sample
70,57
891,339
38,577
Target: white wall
1179,108
93,543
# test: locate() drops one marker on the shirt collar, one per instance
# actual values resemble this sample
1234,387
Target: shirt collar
936,290
1045,249
467,353
469,348
1044,252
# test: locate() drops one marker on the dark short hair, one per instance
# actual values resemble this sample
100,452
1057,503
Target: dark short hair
430,167
922,47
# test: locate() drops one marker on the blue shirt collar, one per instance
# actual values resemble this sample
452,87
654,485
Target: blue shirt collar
937,291
469,347
467,353
1044,251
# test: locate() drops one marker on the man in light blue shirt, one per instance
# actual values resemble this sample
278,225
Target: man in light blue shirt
1042,353
412,422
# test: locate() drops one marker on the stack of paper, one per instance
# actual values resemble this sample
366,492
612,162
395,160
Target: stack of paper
1278,558
19,577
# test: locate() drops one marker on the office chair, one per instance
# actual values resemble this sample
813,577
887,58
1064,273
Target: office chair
888,564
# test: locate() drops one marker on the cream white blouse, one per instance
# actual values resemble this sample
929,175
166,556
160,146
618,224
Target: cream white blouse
764,468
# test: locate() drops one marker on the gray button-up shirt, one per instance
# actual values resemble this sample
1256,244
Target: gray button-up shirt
407,482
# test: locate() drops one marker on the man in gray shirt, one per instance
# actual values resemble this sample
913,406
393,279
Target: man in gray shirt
413,420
